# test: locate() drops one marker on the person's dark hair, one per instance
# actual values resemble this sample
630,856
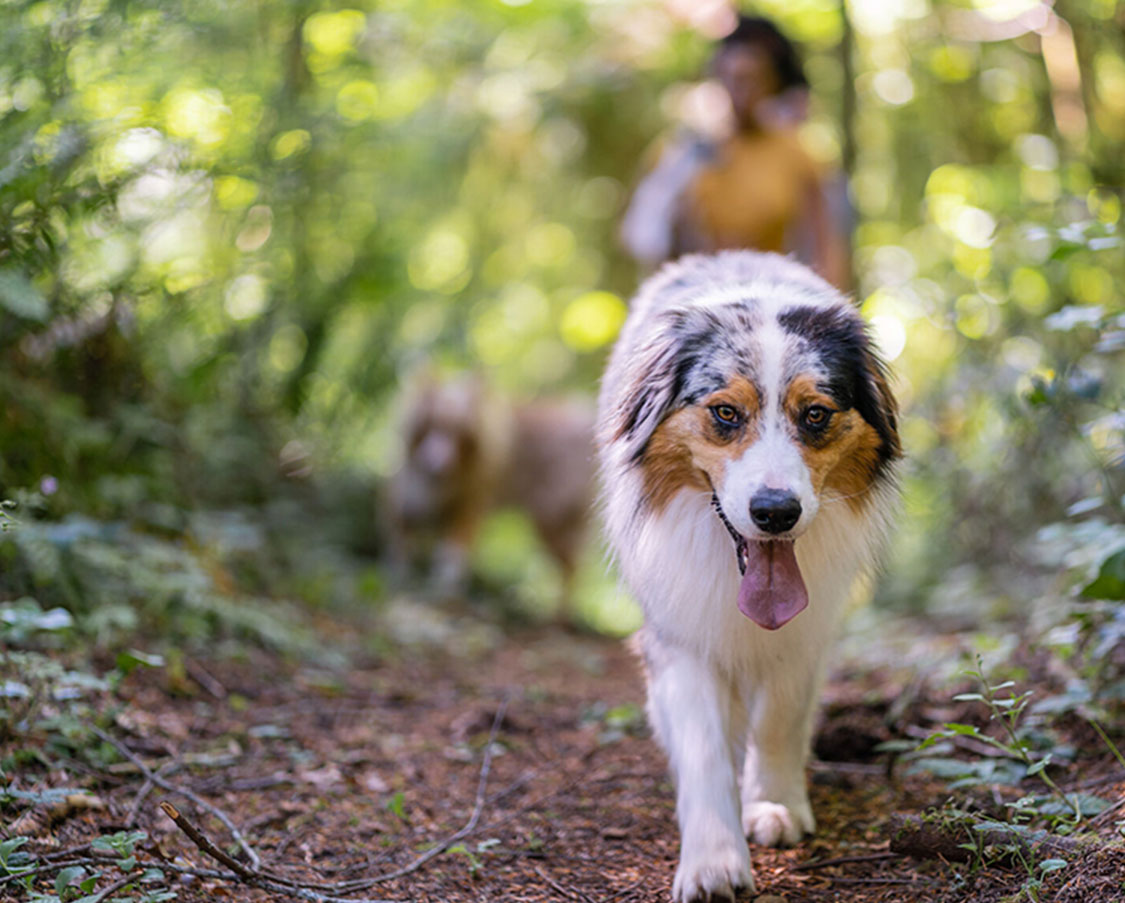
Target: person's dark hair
758,32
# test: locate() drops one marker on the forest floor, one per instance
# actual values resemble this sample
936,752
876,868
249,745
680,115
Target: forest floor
503,766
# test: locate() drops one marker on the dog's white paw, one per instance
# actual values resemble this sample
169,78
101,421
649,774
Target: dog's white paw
711,872
775,825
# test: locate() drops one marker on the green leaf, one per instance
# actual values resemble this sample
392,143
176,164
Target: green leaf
1110,582
1039,766
934,739
1088,804
396,805
18,296
121,843
1039,394
968,697
961,730
11,860
67,877
1052,865
10,846
131,659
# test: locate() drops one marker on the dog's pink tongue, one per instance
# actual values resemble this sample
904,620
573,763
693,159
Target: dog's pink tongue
772,591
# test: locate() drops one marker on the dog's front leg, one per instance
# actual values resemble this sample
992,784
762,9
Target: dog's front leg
775,800
691,708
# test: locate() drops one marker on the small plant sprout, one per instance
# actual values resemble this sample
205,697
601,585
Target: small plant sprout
1006,708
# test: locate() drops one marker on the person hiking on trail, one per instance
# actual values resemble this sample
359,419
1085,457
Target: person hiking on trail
755,187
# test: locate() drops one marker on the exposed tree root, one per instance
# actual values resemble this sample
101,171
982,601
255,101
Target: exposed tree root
961,837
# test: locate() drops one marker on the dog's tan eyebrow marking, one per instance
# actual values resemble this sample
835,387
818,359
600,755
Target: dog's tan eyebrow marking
740,393
804,390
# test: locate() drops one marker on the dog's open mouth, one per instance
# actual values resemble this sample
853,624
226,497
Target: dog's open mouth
772,591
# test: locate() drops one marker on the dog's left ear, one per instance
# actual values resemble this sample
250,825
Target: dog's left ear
649,388
878,406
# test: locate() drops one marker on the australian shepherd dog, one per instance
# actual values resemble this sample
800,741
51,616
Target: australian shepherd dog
747,439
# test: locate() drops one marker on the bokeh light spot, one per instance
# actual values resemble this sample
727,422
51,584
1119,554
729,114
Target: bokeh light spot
245,297
1030,290
358,100
592,320
199,115
295,141
287,348
439,262
890,335
334,33
234,193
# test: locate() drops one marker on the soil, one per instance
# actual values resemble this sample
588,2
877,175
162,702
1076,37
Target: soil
354,774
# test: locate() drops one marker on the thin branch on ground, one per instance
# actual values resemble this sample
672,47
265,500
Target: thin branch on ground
1106,814
465,831
204,843
625,890
255,861
112,889
844,860
241,874
49,867
571,892
68,851
138,800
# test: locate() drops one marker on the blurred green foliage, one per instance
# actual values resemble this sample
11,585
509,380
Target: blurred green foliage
228,231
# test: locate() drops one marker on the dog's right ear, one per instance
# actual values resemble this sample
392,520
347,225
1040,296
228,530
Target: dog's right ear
650,388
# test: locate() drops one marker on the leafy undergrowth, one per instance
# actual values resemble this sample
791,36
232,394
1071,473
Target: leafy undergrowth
483,765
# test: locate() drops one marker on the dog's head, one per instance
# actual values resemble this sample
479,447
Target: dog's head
773,400
441,430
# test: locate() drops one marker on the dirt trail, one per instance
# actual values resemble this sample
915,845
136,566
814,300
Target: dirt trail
336,777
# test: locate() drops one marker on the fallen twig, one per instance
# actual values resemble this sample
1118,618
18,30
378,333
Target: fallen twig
112,889
204,678
625,890
204,843
1106,814
844,860
255,861
62,854
241,874
138,800
465,831
49,867
571,892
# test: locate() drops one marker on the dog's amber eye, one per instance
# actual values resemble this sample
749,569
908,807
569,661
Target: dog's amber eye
816,417
725,414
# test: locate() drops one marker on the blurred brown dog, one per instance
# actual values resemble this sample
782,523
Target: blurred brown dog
467,453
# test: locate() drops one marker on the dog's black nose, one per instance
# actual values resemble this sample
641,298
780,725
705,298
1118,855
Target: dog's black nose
775,510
